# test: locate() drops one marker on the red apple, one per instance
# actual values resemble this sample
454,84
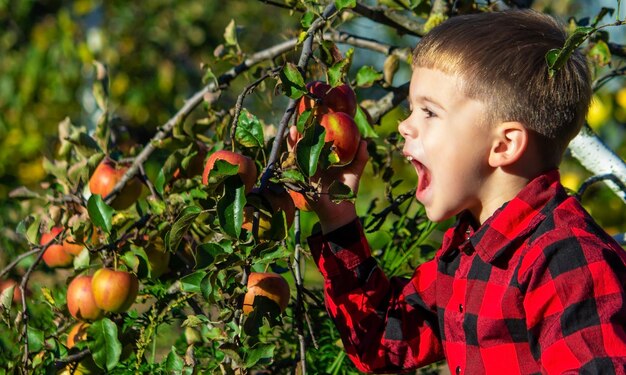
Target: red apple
17,294
106,176
342,131
338,99
247,169
271,201
80,299
266,284
56,255
114,291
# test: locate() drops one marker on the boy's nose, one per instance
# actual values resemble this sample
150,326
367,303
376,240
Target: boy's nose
404,129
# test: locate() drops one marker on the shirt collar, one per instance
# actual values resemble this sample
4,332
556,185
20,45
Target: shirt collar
510,224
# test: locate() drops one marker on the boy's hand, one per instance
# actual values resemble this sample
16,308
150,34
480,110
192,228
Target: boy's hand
334,215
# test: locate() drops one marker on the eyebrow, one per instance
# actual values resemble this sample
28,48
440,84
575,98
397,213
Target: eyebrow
428,99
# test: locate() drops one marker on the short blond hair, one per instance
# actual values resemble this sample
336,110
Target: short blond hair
500,57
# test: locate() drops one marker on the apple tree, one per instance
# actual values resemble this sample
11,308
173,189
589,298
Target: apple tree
186,252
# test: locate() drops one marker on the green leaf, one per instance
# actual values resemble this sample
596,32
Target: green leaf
367,76
556,58
260,352
81,261
206,287
221,171
309,149
100,213
339,70
181,225
35,339
292,176
307,19
29,228
365,128
292,82
191,282
304,120
210,253
174,363
105,346
6,297
230,206
341,4
230,33
600,53
249,132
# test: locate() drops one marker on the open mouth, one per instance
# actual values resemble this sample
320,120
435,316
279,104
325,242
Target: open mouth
423,176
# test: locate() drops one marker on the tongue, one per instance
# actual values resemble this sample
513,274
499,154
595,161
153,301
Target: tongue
423,179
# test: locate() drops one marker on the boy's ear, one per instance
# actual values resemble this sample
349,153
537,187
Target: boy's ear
509,144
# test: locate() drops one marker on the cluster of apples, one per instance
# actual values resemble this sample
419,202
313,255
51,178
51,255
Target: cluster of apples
334,109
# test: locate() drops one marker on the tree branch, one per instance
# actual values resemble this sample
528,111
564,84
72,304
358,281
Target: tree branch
191,104
599,159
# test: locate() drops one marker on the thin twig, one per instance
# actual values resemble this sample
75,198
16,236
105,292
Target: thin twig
297,275
11,265
239,104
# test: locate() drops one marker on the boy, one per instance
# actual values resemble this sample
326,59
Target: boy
525,281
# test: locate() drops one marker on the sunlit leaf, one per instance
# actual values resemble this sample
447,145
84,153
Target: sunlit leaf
100,213
230,33
338,72
292,82
363,124
249,132
341,4
367,76
29,228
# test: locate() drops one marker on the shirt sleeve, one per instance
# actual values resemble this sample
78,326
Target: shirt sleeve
575,303
386,325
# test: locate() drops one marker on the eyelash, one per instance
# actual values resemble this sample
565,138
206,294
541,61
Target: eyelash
428,112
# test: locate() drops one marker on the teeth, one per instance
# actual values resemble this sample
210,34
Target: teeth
409,158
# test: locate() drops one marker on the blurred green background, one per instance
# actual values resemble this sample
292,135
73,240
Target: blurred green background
155,52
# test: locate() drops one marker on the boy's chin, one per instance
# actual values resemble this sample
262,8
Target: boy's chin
438,216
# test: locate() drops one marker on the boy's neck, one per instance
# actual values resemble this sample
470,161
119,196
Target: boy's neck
505,183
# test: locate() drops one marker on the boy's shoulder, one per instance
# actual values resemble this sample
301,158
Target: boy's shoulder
568,237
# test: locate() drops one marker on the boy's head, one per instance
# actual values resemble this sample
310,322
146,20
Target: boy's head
500,58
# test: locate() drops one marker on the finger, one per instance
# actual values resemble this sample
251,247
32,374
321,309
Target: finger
292,138
361,158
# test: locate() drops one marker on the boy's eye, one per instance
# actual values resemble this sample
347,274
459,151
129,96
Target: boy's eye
428,112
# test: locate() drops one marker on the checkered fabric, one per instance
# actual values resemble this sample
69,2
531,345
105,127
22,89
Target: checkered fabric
538,288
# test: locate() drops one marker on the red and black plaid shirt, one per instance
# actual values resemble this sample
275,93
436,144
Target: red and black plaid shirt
538,288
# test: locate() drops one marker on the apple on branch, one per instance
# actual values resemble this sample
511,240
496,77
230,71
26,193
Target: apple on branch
114,291
331,99
267,284
107,174
80,299
58,254
247,169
